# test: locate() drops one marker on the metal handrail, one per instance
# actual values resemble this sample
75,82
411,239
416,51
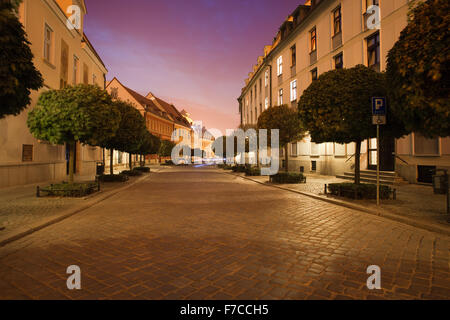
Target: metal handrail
396,156
350,158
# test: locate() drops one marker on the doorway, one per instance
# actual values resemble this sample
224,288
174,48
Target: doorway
387,151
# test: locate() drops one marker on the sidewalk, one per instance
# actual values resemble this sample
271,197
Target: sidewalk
415,205
21,211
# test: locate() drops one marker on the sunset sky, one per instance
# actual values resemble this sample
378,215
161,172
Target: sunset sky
193,53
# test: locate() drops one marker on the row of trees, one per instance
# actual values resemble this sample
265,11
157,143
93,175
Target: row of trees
87,114
338,106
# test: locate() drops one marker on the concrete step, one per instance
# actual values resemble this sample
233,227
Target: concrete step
372,176
386,178
368,180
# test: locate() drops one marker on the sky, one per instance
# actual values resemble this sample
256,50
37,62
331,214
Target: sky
195,54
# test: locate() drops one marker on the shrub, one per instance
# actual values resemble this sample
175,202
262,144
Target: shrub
132,173
142,169
113,178
287,177
71,190
358,191
224,166
255,171
168,163
239,168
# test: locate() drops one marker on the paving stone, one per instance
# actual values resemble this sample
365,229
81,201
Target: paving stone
202,234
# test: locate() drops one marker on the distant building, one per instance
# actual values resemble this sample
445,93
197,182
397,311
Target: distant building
64,57
322,35
162,119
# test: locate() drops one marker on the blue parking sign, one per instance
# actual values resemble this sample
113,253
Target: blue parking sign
379,106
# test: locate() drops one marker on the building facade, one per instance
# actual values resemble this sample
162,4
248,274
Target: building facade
162,119
323,35
64,56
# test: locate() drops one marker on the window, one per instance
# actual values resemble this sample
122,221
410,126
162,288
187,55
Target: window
280,97
294,149
314,74
294,55
313,34
373,51
425,146
280,66
260,85
372,3
27,152
64,72
75,70
294,90
94,79
260,108
339,61
337,21
266,79
48,43
266,104
85,74
251,96
114,93
256,91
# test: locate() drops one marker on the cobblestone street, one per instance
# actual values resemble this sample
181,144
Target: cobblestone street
191,233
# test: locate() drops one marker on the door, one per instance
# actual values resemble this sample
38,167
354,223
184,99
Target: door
387,157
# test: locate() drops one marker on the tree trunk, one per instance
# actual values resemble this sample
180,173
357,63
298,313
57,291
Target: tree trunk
358,163
130,159
111,162
71,160
286,157
104,157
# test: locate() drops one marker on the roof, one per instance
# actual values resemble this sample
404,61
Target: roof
173,112
147,104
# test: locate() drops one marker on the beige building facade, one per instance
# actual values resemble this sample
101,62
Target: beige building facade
323,35
64,57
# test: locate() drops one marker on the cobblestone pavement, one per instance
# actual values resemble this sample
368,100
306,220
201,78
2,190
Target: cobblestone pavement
20,209
202,234
409,202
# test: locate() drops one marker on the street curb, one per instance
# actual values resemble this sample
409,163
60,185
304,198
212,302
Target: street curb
95,199
397,218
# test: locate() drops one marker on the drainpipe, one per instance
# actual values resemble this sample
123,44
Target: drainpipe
270,85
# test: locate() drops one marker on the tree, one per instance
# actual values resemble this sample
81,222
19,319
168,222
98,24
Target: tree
338,108
150,145
286,120
18,75
128,136
165,149
82,113
418,68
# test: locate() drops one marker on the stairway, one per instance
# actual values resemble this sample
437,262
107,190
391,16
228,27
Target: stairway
370,176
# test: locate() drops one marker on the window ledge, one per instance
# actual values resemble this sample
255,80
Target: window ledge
48,63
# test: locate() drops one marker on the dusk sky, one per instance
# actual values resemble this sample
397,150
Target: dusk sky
195,54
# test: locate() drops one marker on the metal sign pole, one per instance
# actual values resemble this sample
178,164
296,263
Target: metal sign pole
378,165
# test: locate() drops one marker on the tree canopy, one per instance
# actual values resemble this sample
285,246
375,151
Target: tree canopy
338,108
418,70
81,113
18,75
286,120
131,129
165,149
